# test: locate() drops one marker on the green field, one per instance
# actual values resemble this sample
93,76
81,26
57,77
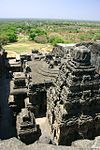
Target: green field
27,34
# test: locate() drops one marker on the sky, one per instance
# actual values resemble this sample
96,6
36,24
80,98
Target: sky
53,9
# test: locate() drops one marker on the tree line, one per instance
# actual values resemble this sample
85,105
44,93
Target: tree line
46,31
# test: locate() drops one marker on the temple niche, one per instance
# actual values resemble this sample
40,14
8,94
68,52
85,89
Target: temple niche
73,102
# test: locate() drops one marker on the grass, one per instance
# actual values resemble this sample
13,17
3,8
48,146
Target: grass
27,46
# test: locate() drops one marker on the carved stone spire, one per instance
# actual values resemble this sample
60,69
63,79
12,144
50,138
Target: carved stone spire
73,101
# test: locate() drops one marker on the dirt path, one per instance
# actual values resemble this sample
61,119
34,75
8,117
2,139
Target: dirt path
45,129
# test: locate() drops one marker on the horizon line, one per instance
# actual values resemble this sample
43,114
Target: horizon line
49,19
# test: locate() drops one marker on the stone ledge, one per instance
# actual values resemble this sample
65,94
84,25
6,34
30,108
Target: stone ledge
15,144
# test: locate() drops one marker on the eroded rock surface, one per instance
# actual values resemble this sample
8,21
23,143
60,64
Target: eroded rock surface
15,144
73,102
27,129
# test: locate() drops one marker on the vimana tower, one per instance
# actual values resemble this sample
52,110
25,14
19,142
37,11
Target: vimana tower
73,108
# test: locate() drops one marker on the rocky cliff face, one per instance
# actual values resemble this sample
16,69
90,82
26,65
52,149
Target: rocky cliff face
6,128
73,102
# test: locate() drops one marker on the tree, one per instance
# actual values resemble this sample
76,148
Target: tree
3,39
96,36
36,32
41,39
12,37
54,39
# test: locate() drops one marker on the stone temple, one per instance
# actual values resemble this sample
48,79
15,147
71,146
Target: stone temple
51,99
73,103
